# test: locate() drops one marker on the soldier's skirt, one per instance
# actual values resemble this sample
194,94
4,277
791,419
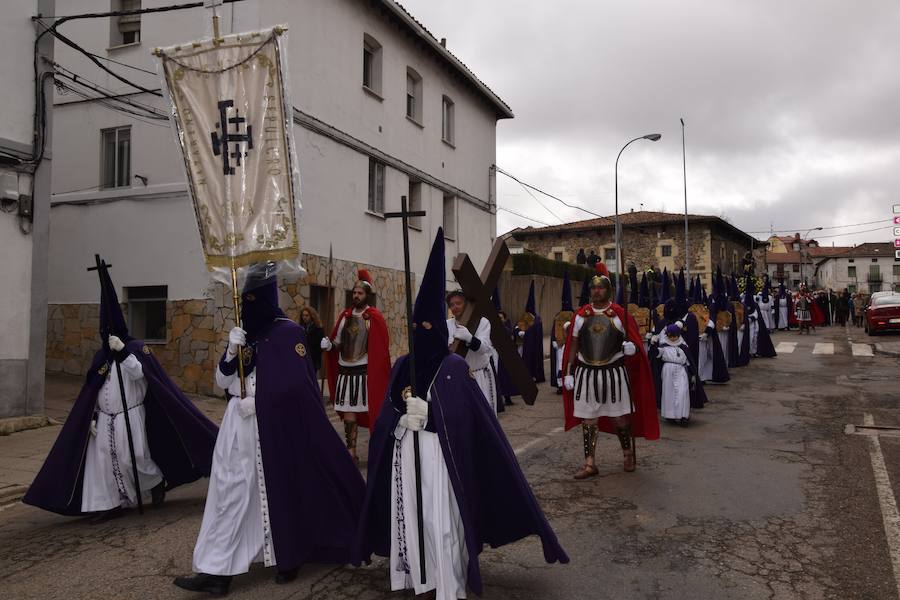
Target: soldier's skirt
601,391
350,395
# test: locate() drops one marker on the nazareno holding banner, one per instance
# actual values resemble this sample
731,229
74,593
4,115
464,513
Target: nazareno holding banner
294,493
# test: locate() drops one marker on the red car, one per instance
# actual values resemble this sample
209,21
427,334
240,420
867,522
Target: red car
883,314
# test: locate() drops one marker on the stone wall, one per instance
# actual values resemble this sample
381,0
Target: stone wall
641,245
197,328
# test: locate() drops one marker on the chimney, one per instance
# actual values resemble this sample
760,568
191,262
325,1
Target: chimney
444,42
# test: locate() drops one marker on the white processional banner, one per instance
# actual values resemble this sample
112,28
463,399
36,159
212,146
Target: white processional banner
233,122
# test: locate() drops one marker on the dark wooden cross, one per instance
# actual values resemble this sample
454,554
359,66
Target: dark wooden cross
478,288
102,267
404,216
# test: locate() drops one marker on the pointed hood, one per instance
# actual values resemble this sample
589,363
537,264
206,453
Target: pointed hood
782,293
703,296
681,297
495,298
665,292
633,292
644,293
530,305
733,292
692,290
620,291
766,289
585,296
566,292
259,299
749,291
699,292
719,283
112,321
430,318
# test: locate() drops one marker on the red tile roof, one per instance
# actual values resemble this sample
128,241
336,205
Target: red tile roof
783,258
871,249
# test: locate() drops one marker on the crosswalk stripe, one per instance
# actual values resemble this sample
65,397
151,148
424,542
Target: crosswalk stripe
785,347
861,349
823,348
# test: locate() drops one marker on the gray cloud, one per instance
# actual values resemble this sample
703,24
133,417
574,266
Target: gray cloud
791,106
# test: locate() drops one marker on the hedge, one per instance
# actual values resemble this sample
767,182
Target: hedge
530,263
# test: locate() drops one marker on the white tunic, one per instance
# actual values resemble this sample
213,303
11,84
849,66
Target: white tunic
235,531
725,341
782,305
753,319
589,401
479,361
706,355
446,557
108,473
675,393
766,309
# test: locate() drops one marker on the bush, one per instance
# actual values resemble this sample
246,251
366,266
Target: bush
529,263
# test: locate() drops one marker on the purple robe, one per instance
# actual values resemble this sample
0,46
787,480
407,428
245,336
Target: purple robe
505,385
720,362
181,439
496,504
313,488
533,350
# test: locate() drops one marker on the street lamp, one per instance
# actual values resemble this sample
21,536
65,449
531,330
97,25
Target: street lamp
802,262
653,137
687,261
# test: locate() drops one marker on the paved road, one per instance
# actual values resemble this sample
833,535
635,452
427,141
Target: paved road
763,496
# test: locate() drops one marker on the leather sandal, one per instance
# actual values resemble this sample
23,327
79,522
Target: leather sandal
629,461
586,471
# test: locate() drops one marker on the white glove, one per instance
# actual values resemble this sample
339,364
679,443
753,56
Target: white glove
463,334
703,337
521,334
553,344
654,339
629,348
115,344
569,382
648,336
247,406
416,406
94,427
326,344
413,422
236,337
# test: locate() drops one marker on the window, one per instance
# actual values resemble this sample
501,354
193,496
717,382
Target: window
413,95
376,186
371,64
796,283
795,268
722,254
147,312
609,254
448,121
415,203
851,288
116,157
796,246
851,271
127,28
851,260
896,270
450,216
665,250
874,272
558,256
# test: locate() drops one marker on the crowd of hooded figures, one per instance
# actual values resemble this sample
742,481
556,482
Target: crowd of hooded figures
285,490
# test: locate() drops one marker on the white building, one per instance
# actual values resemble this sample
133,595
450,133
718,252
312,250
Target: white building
866,268
382,109
24,209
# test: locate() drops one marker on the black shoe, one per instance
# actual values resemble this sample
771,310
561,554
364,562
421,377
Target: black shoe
107,515
683,422
217,585
508,401
158,494
286,576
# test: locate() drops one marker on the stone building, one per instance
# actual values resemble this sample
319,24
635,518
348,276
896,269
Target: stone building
649,239
791,259
381,109
867,268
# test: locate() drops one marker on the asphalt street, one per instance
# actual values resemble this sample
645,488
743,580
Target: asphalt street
767,494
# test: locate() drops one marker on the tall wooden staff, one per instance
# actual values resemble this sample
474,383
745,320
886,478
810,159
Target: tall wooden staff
101,267
329,308
404,215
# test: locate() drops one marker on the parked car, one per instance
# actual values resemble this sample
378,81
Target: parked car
883,313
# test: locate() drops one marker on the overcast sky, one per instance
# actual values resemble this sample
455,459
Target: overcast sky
792,108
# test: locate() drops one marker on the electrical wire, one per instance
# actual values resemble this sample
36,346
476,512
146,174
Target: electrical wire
144,118
518,214
539,190
152,111
545,207
822,237
141,69
796,229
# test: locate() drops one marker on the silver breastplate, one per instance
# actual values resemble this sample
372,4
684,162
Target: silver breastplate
599,339
354,338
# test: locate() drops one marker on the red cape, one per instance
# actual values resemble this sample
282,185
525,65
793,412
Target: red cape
815,313
379,369
645,422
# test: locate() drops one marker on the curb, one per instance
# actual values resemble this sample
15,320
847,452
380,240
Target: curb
880,349
12,494
14,424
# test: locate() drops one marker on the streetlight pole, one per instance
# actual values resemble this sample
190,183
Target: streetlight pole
687,261
653,137
802,262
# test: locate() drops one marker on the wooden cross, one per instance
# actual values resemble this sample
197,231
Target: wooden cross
478,289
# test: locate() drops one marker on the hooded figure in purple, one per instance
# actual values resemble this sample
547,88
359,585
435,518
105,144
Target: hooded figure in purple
506,389
283,489
688,335
784,307
473,491
756,334
678,387
532,338
713,362
89,469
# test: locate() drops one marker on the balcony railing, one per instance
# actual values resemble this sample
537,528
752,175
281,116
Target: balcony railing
875,278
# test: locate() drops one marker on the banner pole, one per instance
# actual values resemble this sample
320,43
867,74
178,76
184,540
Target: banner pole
236,297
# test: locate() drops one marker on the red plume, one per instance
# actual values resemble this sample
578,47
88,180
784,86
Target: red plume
364,276
601,269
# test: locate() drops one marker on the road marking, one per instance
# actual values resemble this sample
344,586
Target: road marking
889,513
785,347
522,449
824,348
861,349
